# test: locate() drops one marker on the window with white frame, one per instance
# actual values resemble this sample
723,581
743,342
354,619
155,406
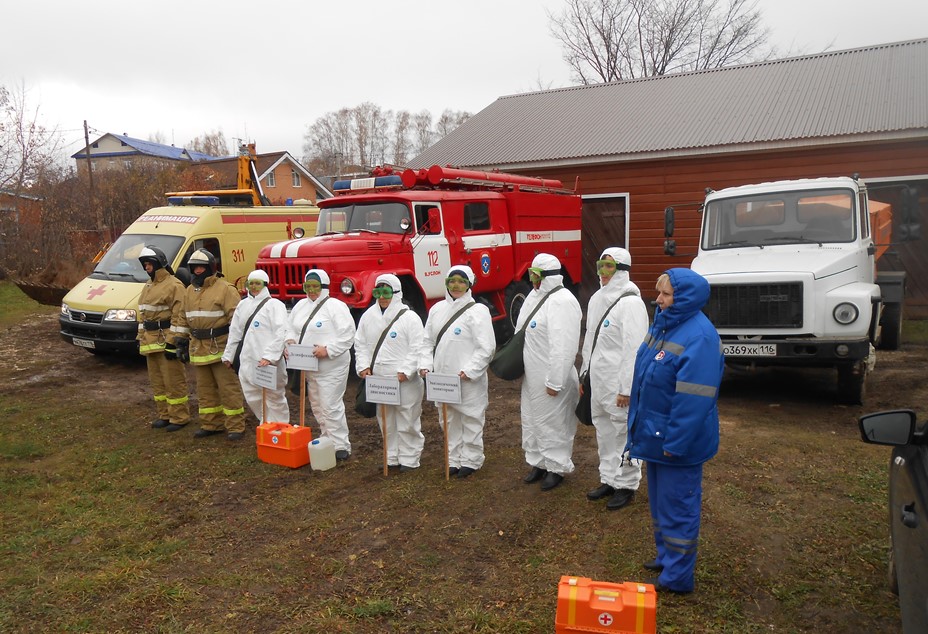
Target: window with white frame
296,178
271,179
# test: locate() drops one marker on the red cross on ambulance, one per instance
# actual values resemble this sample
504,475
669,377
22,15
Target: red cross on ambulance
96,291
605,619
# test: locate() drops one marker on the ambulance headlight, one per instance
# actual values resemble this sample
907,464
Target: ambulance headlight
845,313
299,233
347,286
65,311
119,314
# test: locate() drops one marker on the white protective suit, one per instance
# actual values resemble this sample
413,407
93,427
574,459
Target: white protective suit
552,340
613,363
333,327
264,338
466,346
398,353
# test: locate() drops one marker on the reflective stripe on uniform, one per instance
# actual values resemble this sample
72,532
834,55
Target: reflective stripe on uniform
155,308
233,412
682,546
674,348
192,314
210,410
151,347
181,330
177,401
210,358
160,397
696,388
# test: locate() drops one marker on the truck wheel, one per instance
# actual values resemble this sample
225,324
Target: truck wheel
515,296
891,327
851,385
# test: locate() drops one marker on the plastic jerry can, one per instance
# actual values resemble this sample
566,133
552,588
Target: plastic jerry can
321,454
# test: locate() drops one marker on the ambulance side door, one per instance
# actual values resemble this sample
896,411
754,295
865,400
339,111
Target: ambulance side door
430,249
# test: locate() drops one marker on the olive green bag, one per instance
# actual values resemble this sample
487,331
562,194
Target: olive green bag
508,362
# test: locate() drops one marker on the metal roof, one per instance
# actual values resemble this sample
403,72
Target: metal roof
149,148
872,93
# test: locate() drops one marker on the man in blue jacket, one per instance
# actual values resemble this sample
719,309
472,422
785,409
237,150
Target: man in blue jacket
674,420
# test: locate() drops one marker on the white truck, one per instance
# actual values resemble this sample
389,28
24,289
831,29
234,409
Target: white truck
792,270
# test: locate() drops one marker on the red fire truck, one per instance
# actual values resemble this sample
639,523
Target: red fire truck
417,223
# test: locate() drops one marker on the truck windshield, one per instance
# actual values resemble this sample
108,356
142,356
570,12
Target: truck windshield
796,217
121,261
383,217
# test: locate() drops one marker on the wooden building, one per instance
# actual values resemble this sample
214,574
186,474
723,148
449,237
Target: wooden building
639,146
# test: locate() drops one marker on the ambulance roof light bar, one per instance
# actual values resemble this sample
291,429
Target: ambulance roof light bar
193,201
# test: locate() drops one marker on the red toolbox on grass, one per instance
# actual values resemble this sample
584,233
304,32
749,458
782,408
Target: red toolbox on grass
283,444
584,605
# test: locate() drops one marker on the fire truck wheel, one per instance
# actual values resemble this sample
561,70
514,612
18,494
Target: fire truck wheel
851,385
891,327
515,296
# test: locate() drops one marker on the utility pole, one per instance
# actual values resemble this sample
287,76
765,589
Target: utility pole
96,212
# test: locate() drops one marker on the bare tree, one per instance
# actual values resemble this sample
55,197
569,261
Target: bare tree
401,144
611,40
449,121
328,143
158,137
27,148
212,143
422,131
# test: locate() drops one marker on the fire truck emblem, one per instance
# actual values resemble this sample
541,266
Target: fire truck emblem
485,263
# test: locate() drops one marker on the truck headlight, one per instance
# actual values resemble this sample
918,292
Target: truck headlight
347,286
845,313
119,314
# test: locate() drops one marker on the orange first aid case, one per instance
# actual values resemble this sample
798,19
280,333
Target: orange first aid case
584,605
283,444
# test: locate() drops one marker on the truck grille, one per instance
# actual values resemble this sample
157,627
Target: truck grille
755,305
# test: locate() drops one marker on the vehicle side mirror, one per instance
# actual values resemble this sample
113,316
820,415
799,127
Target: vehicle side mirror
894,427
668,222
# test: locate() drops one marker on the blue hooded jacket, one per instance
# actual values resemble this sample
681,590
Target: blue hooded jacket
678,370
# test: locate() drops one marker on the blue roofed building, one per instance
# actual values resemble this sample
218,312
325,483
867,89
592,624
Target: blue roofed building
118,151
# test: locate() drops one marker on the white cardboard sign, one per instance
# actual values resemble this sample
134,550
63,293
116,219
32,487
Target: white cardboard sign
383,389
300,357
443,388
266,376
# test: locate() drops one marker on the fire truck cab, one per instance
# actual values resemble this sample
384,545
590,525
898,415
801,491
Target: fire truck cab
418,223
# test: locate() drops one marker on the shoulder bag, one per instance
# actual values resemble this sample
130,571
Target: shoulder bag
361,406
508,363
584,409
237,359
293,376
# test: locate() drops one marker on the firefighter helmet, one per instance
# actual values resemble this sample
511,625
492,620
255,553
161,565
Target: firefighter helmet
154,255
202,257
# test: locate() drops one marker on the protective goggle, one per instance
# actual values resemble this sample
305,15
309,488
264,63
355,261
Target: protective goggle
536,272
255,282
312,286
382,292
605,264
456,281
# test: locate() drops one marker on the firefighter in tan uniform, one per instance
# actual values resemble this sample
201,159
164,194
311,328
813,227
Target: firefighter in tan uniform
160,307
209,304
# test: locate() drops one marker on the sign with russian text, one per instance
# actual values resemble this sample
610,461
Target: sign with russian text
383,389
301,357
443,388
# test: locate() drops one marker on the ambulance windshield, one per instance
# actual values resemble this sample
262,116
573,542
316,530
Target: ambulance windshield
121,261
381,217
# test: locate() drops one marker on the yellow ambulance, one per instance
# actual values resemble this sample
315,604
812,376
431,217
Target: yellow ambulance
99,314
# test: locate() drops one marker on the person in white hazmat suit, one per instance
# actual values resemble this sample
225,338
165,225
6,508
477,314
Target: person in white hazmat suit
260,323
398,356
465,349
550,388
325,323
617,311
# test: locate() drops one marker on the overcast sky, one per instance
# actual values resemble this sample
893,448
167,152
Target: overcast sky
265,71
